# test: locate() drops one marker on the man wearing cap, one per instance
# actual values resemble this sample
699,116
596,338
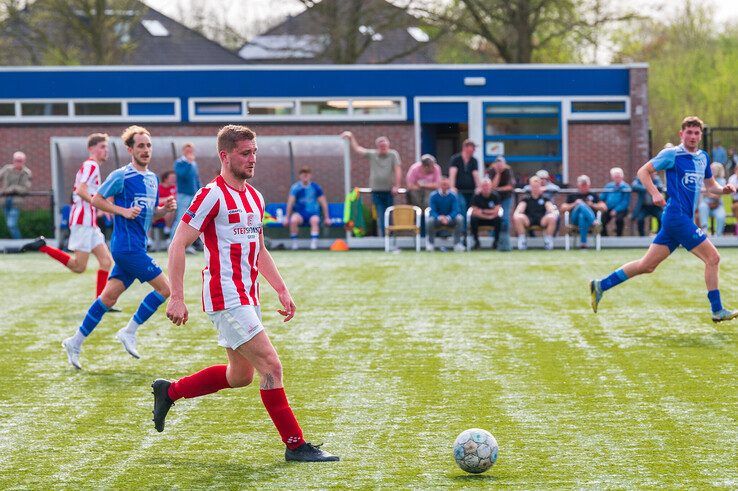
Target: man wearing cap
422,179
503,183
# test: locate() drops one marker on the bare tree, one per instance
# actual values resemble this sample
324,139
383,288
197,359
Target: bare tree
70,32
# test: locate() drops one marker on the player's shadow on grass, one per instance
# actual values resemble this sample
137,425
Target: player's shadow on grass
474,478
204,473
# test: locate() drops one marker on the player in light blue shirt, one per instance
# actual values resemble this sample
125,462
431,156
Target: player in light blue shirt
135,192
687,168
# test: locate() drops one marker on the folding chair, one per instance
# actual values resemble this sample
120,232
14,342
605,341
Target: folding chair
571,229
400,219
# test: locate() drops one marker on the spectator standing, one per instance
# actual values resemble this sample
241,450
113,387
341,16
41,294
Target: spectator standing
535,209
503,183
422,179
582,207
617,198
712,205
445,211
163,227
733,180
304,203
385,173
732,161
15,182
188,182
719,154
463,173
485,207
644,205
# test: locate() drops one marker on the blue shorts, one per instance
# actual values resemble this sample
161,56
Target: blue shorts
679,230
307,216
130,266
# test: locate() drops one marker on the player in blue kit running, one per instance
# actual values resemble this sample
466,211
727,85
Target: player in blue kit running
135,192
687,168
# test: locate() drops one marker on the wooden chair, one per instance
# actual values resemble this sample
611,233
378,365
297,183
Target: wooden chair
573,230
401,219
483,229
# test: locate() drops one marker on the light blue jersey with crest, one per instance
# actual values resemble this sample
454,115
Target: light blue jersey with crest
685,173
129,187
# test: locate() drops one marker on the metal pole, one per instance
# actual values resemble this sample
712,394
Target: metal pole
346,175
292,161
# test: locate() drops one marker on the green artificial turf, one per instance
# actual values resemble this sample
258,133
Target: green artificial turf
389,357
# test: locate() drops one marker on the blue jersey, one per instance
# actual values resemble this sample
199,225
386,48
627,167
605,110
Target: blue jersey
130,187
685,173
306,198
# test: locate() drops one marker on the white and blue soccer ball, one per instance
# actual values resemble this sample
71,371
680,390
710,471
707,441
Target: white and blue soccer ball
475,450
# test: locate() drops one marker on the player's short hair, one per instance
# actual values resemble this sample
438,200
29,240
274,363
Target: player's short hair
188,145
96,138
380,139
130,133
694,122
485,180
231,134
534,179
616,170
165,175
305,170
584,178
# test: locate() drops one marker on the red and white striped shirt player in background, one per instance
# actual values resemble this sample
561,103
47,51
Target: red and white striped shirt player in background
85,237
228,215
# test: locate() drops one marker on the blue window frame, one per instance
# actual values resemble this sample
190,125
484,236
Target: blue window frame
528,131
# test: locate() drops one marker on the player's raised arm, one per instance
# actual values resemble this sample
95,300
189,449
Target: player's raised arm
269,271
183,238
644,174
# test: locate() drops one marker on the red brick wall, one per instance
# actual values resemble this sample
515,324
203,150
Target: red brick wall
272,176
596,147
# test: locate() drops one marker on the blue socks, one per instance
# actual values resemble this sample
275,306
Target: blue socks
93,317
616,277
148,306
715,303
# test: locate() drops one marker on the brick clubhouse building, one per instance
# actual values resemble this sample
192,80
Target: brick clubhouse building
568,119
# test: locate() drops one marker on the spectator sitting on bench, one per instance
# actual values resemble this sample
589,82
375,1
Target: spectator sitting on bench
711,205
583,207
548,187
535,210
445,211
485,207
304,204
617,198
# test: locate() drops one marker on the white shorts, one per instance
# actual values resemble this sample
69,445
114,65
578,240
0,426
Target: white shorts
237,325
84,238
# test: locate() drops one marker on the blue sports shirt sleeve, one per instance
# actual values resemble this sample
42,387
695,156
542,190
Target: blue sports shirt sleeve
294,189
708,169
318,190
112,185
665,159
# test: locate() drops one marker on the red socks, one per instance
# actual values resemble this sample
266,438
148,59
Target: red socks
284,419
206,381
102,279
55,253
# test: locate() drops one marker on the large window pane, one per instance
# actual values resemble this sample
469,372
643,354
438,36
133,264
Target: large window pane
376,106
330,107
522,126
271,108
97,109
547,148
523,109
7,109
44,109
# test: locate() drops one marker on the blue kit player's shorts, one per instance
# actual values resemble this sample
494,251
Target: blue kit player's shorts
679,230
130,266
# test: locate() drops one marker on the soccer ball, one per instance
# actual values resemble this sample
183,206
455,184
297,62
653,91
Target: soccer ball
475,450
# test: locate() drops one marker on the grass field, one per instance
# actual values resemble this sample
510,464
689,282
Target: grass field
389,358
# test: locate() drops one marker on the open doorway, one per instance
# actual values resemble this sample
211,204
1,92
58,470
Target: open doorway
442,140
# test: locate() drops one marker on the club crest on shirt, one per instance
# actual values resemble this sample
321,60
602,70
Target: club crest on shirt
692,180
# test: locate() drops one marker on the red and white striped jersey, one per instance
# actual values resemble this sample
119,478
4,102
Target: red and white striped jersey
230,222
83,213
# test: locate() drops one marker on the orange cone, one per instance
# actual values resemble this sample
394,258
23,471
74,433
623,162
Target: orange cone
339,245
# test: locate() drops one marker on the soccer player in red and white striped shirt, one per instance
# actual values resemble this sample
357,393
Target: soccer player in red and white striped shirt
85,237
228,215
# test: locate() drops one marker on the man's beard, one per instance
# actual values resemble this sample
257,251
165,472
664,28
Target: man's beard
238,174
142,164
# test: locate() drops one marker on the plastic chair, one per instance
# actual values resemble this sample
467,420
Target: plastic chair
571,229
445,230
399,219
